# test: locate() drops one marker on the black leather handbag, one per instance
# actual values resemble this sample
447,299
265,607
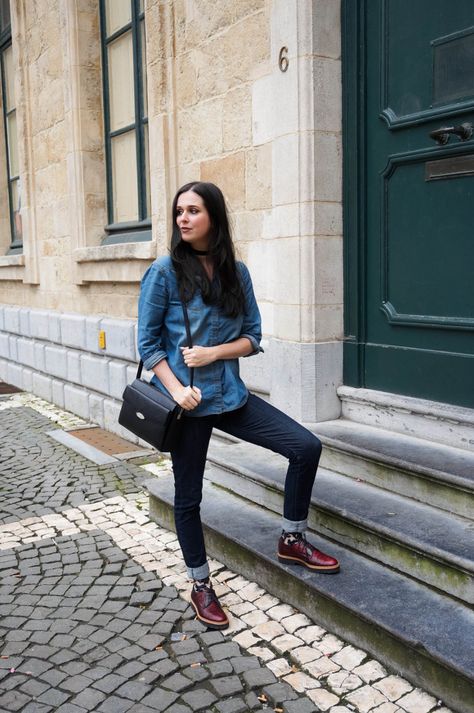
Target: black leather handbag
149,413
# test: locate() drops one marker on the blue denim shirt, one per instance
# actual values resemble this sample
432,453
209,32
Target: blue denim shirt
161,334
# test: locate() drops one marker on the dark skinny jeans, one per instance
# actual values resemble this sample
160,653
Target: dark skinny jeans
256,422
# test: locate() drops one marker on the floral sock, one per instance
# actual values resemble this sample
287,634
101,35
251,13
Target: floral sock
199,583
289,538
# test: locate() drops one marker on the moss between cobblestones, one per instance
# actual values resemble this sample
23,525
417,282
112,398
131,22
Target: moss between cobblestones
119,485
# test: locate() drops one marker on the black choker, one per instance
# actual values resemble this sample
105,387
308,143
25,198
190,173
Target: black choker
200,252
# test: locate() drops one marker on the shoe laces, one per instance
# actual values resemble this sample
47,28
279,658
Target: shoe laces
293,538
208,589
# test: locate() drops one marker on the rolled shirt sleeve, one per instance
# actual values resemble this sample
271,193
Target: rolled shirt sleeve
252,323
152,306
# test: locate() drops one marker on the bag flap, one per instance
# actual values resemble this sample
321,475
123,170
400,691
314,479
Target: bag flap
140,392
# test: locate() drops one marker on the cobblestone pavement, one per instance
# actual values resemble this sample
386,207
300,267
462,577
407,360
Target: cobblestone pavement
94,612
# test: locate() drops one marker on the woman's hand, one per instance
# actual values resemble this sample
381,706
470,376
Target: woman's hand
187,397
198,356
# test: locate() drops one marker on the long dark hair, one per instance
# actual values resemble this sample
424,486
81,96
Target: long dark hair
226,291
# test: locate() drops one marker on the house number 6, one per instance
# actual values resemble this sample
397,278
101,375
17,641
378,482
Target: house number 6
283,60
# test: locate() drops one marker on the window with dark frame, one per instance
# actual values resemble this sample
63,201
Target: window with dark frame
10,128
126,121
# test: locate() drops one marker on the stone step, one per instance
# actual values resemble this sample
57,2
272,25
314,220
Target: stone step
423,542
417,632
431,420
435,474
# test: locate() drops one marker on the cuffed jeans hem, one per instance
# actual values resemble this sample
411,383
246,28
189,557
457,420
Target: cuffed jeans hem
294,525
198,572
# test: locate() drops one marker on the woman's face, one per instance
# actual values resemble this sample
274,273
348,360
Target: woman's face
193,220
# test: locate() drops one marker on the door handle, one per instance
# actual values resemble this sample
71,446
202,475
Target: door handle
441,136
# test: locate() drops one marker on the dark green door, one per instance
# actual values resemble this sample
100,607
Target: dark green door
409,71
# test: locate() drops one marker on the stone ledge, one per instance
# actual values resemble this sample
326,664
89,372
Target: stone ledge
434,409
122,262
444,423
12,267
120,251
11,260
107,271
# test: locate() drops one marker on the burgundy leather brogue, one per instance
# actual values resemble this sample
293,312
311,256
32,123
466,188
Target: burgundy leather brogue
296,549
207,607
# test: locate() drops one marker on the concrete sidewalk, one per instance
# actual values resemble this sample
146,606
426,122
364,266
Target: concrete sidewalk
94,612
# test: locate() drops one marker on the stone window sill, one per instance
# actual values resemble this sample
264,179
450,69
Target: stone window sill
12,267
119,262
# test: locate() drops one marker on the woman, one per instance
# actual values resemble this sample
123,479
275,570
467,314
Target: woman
225,325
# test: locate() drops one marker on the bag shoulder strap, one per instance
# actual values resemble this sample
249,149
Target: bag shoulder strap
189,340
188,337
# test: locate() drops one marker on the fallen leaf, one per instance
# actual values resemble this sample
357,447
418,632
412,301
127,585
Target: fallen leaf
294,669
158,648
262,698
278,710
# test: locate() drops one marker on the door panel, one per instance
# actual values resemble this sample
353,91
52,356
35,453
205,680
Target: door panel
423,247
417,333
426,58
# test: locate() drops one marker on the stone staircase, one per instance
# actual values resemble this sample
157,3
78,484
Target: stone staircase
395,509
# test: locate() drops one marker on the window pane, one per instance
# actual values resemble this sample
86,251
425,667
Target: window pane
144,83
146,149
124,177
4,14
122,94
12,145
17,227
9,79
141,6
117,14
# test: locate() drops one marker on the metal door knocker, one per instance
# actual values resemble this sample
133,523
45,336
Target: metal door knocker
441,136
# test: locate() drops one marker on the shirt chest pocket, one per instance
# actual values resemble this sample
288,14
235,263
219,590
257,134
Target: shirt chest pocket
195,305
199,320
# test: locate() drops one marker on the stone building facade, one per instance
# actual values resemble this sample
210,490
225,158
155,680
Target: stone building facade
245,94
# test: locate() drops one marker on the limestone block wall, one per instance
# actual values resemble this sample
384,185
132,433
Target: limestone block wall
201,76
57,357
202,61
